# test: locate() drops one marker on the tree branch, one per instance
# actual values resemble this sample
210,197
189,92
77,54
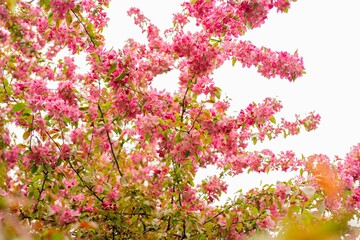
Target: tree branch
83,25
41,190
111,144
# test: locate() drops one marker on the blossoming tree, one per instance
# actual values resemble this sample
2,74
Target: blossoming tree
103,155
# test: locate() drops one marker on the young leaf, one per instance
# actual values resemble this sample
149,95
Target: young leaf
112,68
233,61
18,107
68,18
120,77
147,136
26,135
273,119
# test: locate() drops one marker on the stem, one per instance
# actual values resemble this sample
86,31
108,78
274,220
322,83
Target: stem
77,172
216,215
184,230
111,145
82,24
83,182
183,104
31,134
196,118
91,141
41,190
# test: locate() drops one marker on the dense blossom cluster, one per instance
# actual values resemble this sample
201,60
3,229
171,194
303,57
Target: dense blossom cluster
232,17
103,154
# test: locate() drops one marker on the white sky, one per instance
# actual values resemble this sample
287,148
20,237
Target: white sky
325,32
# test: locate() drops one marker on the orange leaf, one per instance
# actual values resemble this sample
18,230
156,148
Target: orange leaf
326,177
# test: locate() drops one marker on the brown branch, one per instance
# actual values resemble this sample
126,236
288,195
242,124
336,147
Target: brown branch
196,118
183,110
110,142
84,182
25,216
31,134
77,172
83,25
91,141
56,144
184,230
216,215
41,190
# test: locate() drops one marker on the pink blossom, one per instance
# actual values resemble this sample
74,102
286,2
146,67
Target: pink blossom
12,156
64,214
213,187
79,198
69,183
60,7
266,223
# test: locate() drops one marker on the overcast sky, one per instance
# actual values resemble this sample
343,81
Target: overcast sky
325,32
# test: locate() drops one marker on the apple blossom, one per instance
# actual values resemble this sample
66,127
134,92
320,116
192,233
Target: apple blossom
105,155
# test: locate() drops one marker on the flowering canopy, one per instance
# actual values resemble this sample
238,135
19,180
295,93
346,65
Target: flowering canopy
105,155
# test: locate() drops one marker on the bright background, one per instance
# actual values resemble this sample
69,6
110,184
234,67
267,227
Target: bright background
326,34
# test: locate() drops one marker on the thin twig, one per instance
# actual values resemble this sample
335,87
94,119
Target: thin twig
41,190
110,142
82,24
77,172
183,110
216,215
196,118
85,183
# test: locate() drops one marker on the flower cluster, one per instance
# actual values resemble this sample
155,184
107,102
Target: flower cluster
60,7
106,155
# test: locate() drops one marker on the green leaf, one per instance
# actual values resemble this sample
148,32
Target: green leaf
249,25
67,120
36,194
147,136
273,119
307,216
50,18
27,112
218,93
120,77
233,61
68,18
197,125
57,236
197,157
11,4
58,23
192,2
18,107
254,211
96,56
26,135
285,134
112,68
187,153
230,221
3,203
178,138
239,227
90,29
